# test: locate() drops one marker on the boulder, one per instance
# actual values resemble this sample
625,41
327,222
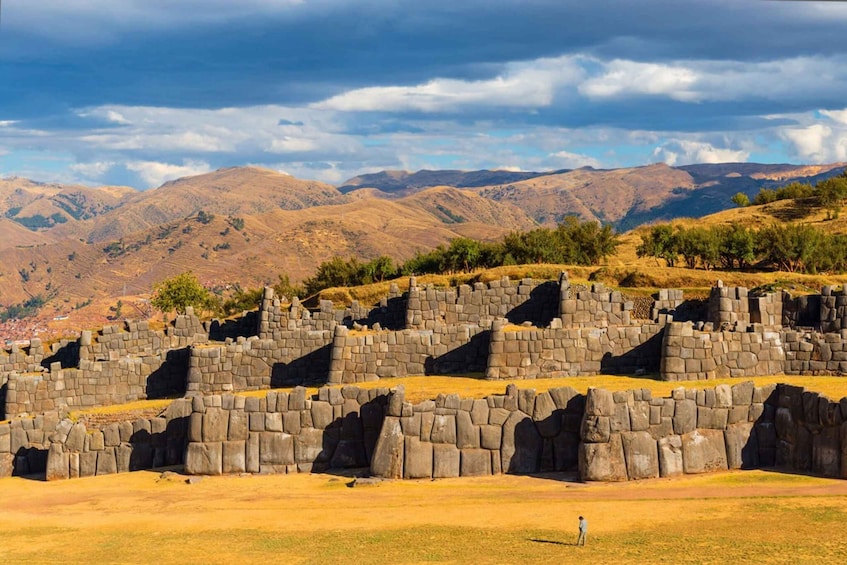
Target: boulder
670,456
475,462
602,461
520,449
387,461
703,451
446,461
418,459
742,446
641,455
200,459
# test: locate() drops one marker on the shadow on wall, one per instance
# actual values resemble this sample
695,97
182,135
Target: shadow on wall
391,316
471,357
168,380
544,445
310,370
540,308
243,326
644,358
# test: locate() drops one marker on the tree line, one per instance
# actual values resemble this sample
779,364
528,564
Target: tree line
829,194
783,247
571,242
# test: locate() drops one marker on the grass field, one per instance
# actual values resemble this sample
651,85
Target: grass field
737,517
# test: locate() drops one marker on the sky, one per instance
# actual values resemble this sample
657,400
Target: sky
139,92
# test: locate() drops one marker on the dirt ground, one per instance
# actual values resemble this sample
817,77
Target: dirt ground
145,517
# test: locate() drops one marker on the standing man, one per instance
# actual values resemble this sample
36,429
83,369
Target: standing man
583,531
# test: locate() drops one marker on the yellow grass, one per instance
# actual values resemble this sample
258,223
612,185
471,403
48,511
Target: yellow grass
428,387
739,517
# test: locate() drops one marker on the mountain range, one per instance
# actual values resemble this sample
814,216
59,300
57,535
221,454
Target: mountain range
82,248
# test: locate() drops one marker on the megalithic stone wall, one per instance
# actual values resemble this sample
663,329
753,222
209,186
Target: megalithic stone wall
284,432
690,354
728,306
519,432
119,447
833,309
815,353
361,356
529,300
24,443
630,435
597,307
527,353
22,359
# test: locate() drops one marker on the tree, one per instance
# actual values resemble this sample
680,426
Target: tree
741,200
661,242
180,292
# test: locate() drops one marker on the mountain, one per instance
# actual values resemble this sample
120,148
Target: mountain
405,182
236,191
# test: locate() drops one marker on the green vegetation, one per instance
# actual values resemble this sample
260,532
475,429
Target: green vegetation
785,247
828,194
179,292
24,309
204,218
38,221
740,199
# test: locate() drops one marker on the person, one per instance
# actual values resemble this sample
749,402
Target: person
583,531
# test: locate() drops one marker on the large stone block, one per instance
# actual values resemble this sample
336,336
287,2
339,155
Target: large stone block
443,429
827,452
215,423
276,448
234,457
467,434
703,451
521,444
321,414
595,429
742,446
309,447
684,416
670,456
202,459
475,462
639,416
599,402
602,461
387,460
106,462
446,461
58,466
418,459
641,455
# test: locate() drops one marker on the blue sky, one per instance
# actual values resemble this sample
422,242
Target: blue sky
138,92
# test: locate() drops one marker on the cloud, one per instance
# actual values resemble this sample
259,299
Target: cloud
626,78
155,173
568,160
520,85
92,171
686,152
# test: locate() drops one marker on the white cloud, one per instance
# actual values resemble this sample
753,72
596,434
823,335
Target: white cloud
626,78
686,151
521,85
568,160
92,171
155,173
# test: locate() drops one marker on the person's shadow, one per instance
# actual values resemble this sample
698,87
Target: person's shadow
554,542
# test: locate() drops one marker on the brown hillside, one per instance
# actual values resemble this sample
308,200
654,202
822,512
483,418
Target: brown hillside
592,194
235,191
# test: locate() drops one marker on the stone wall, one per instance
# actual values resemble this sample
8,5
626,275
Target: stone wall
630,435
691,354
814,353
597,307
119,447
529,300
113,366
442,350
519,432
296,356
527,353
22,359
833,309
284,432
24,443
728,306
